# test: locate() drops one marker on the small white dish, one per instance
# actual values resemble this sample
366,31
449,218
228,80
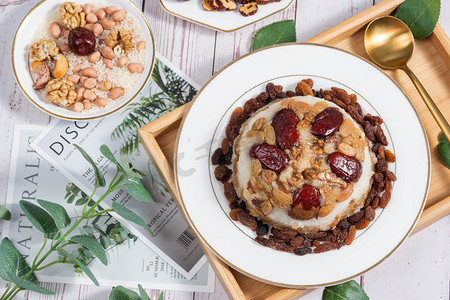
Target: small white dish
203,128
225,21
20,58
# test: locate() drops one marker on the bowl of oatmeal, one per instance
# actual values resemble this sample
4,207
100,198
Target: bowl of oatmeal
82,60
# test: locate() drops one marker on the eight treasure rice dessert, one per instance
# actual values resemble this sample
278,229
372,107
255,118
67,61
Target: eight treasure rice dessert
86,57
308,165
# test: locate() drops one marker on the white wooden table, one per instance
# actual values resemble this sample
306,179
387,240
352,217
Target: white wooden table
418,270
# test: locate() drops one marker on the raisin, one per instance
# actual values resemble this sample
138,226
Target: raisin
378,176
376,147
262,97
317,235
309,81
271,157
381,165
354,113
370,196
234,205
231,132
351,235
274,231
218,158
262,229
327,122
270,88
286,234
257,202
356,217
319,94
381,152
297,241
247,220
230,192
335,231
225,146
243,205
346,167
250,106
378,186
353,98
361,224
316,243
285,125
384,200
234,213
369,130
282,95
342,236
302,251
369,214
374,120
278,88
307,243
343,224
303,88
342,95
339,103
390,157
229,155
380,136
389,175
325,246
388,185
272,244
308,196
222,173
291,94
375,203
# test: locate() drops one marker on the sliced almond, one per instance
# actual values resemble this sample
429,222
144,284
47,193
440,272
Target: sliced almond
255,167
266,207
280,199
326,210
269,133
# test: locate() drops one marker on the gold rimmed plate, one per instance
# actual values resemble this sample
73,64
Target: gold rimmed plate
225,21
203,128
34,22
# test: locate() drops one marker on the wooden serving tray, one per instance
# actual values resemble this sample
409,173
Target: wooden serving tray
431,62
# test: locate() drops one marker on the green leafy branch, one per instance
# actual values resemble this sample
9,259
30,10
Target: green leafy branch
121,293
53,221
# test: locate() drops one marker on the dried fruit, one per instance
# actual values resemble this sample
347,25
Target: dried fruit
248,9
356,217
302,251
346,167
327,122
299,213
230,192
247,220
234,213
286,234
380,136
361,224
270,157
304,89
297,241
390,157
285,125
351,235
81,41
262,229
385,198
325,246
222,173
369,213
389,175
307,196
218,158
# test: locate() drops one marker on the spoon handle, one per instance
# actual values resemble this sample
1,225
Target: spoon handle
434,110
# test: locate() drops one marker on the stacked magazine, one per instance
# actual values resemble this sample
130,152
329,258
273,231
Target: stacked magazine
46,165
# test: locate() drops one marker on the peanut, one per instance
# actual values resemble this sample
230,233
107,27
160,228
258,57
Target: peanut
118,23
118,15
94,57
135,68
108,63
107,24
97,29
91,18
64,47
140,46
87,104
116,92
110,10
90,27
90,83
104,85
100,13
122,61
100,102
66,33
89,95
55,31
77,107
83,79
89,72
74,78
87,8
80,93
76,68
107,52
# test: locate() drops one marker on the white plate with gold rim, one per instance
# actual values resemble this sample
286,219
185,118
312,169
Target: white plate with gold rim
21,62
203,128
225,21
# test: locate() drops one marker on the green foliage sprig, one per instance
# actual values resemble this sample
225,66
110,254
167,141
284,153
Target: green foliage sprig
421,16
53,221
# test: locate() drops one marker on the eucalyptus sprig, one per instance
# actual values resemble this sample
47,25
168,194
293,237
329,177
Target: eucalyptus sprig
53,221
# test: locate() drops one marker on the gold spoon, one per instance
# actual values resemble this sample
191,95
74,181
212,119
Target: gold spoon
390,44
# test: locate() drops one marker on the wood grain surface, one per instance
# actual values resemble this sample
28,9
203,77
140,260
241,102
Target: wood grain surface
418,270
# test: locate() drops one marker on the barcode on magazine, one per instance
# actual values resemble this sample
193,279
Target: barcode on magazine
186,238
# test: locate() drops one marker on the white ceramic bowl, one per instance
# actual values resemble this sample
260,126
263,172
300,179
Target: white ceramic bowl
20,61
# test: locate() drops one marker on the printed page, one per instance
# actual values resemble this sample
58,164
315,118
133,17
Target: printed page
130,262
166,90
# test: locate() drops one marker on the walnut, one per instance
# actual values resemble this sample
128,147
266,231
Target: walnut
61,91
120,37
43,49
72,15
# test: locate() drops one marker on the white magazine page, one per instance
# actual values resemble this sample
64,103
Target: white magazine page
166,90
130,262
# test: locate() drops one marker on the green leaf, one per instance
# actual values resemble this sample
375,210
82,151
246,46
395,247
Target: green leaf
71,198
129,215
444,150
122,293
26,284
91,244
40,219
161,296
5,214
86,270
99,178
58,212
11,261
349,290
128,170
421,16
105,241
273,34
108,154
137,190
143,294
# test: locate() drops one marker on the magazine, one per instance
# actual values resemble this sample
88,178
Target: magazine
166,90
130,262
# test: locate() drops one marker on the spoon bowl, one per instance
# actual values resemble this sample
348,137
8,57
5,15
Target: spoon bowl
390,44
